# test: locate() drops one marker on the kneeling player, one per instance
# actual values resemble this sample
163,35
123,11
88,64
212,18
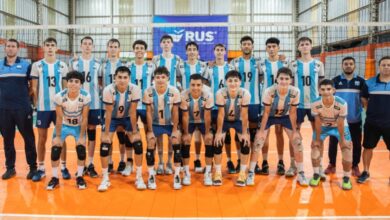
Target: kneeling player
72,106
330,114
280,108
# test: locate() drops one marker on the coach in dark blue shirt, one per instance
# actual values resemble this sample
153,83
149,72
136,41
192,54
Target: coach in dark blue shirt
377,125
349,86
15,108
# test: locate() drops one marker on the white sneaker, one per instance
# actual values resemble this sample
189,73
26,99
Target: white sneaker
104,185
168,169
187,179
302,179
177,182
139,183
207,181
160,169
292,171
250,180
152,182
128,170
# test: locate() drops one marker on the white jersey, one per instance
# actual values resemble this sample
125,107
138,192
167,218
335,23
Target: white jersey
232,106
196,107
121,101
216,76
171,64
141,75
90,70
72,110
49,76
280,105
269,70
185,70
329,115
107,71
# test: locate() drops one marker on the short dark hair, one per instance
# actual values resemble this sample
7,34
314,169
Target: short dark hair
86,38
50,39
122,69
246,38
196,76
219,45
284,70
140,42
348,58
14,41
75,75
326,82
161,70
272,40
165,37
114,40
193,44
383,58
233,73
304,39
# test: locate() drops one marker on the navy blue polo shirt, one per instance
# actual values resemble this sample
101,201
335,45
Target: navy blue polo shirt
378,95
350,91
14,84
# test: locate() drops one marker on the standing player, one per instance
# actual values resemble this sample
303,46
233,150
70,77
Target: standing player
308,72
162,113
196,105
72,107
47,75
120,99
232,102
89,66
330,113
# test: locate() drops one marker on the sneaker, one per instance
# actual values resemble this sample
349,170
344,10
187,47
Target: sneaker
257,169
217,179
85,171
356,171
281,171
315,181
176,182
230,167
264,168
238,166
302,179
139,183
104,185
198,166
65,174
168,169
81,184
9,173
160,169
152,182
127,171
91,171
110,168
121,167
250,181
292,171
346,185
187,179
322,174
364,177
207,180
38,175
53,183
31,173
331,169
241,180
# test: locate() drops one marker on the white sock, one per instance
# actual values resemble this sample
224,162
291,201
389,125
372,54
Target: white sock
151,171
316,170
54,170
63,165
347,173
208,168
218,168
252,166
105,173
300,166
177,170
139,171
187,169
242,168
292,162
41,166
80,170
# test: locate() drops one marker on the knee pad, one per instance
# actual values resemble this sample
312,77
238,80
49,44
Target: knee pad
128,144
137,147
185,151
105,149
150,157
218,149
81,152
244,148
176,153
121,137
346,153
228,138
209,151
252,134
55,153
91,134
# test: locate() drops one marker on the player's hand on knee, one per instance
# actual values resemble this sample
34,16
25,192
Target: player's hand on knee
57,141
150,136
245,138
176,135
186,138
219,138
106,138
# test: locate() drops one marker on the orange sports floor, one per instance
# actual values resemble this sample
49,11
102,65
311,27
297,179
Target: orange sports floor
271,197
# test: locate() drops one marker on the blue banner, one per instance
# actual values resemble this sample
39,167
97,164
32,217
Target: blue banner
205,37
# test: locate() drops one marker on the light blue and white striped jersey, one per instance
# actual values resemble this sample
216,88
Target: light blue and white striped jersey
72,110
162,104
185,70
232,106
250,80
280,105
90,70
121,101
269,70
50,78
196,107
216,77
171,64
330,115
107,71
141,75
306,78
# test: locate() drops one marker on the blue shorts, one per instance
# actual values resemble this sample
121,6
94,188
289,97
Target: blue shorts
162,129
301,113
94,117
44,118
236,125
214,116
283,121
142,114
123,122
333,131
254,113
66,131
193,126
102,116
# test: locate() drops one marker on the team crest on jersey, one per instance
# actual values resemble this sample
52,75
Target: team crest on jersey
336,107
319,106
19,67
64,99
340,83
170,94
81,99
